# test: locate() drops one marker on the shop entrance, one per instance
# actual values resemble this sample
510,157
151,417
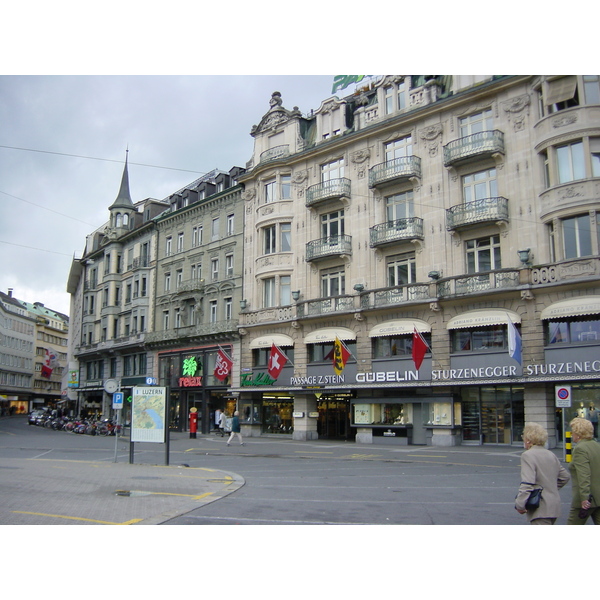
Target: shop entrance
334,419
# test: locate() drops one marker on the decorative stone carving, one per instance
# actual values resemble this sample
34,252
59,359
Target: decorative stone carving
430,136
564,120
360,156
514,107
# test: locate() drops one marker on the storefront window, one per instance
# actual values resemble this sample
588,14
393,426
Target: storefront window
438,413
480,339
277,416
572,331
249,412
384,347
324,352
386,414
261,355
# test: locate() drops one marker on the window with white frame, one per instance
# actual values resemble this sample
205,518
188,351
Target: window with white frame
167,282
331,122
401,269
279,188
332,170
333,282
285,230
570,162
230,224
229,265
178,278
400,148
196,270
483,254
480,185
228,305
177,317
197,236
268,285
332,225
168,246
213,311
285,290
476,123
215,229
165,320
270,239
214,268
399,206
180,242
577,236
395,96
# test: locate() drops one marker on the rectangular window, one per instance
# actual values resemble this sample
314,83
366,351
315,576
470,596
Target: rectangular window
214,269
165,320
577,236
269,292
332,225
285,290
180,242
333,283
591,86
270,234
483,254
401,270
228,302
571,164
197,236
332,170
230,225
271,192
399,206
286,237
286,187
229,265
178,278
167,282
476,123
215,229
213,311
399,148
177,317
480,185
168,246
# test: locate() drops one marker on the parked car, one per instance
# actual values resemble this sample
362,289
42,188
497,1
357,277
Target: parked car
35,414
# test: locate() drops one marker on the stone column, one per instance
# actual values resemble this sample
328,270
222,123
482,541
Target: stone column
539,408
305,427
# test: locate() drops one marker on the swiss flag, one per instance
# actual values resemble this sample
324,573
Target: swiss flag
419,347
223,366
277,360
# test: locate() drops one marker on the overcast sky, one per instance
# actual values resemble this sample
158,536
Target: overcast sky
63,143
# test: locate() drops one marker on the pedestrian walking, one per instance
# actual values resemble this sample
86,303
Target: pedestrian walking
235,429
585,474
540,468
222,423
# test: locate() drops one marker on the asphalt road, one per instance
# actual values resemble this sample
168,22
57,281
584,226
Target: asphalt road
55,477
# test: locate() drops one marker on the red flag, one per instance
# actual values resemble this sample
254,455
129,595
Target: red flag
48,365
277,360
341,354
419,347
223,366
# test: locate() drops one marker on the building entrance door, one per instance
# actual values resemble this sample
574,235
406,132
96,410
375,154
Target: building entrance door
334,420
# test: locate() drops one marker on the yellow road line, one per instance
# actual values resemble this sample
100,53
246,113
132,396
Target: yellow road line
130,522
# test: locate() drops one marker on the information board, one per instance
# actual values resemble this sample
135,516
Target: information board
148,414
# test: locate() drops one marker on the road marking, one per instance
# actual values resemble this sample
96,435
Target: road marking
311,452
23,512
427,456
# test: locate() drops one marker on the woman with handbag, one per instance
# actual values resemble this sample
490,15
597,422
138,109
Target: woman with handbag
540,469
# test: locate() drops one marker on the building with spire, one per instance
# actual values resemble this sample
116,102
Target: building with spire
112,302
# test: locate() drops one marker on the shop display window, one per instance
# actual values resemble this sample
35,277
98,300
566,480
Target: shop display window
569,331
383,414
249,412
438,413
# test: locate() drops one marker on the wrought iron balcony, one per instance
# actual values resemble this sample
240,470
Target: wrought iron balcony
478,211
334,245
406,293
275,153
479,282
484,143
396,231
328,190
327,305
395,170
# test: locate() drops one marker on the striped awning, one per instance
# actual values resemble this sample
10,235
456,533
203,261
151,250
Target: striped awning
573,307
320,336
399,327
483,318
266,341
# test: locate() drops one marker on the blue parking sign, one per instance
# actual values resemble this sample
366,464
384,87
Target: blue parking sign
117,400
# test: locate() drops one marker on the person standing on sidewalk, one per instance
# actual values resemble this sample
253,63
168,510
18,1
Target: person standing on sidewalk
540,468
585,474
235,429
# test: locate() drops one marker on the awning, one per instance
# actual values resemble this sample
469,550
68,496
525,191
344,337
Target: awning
483,318
560,90
266,341
321,336
584,305
399,327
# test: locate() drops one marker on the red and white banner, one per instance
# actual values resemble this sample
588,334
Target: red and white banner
277,360
223,366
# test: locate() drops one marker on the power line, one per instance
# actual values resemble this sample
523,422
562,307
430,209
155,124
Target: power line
102,159
39,249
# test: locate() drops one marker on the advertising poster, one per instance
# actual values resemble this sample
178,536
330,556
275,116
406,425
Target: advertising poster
148,414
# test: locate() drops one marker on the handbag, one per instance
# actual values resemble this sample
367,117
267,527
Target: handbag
534,499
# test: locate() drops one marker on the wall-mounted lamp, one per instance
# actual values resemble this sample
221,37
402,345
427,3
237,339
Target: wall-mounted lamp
243,304
359,287
296,295
524,256
435,275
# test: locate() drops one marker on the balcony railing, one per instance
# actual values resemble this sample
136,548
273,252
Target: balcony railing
478,211
334,245
190,285
396,169
395,231
275,153
192,331
475,145
328,190
327,305
479,282
406,293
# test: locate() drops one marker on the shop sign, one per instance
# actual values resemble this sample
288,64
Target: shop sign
260,379
190,381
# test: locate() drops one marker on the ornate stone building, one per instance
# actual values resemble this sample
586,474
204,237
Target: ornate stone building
459,208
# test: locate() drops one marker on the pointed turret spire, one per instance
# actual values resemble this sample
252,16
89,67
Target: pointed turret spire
124,197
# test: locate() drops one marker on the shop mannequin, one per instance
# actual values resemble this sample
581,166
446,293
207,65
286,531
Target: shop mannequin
593,417
582,411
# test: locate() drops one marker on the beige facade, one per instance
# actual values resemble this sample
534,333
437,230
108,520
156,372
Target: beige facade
455,206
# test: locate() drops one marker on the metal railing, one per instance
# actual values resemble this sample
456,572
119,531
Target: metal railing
397,168
275,153
393,231
334,188
329,246
484,142
477,211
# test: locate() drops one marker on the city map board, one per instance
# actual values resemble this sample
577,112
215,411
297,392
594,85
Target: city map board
148,414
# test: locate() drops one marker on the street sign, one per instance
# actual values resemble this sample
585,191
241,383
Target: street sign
562,396
117,400
151,381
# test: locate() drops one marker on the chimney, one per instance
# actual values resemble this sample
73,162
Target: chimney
10,291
